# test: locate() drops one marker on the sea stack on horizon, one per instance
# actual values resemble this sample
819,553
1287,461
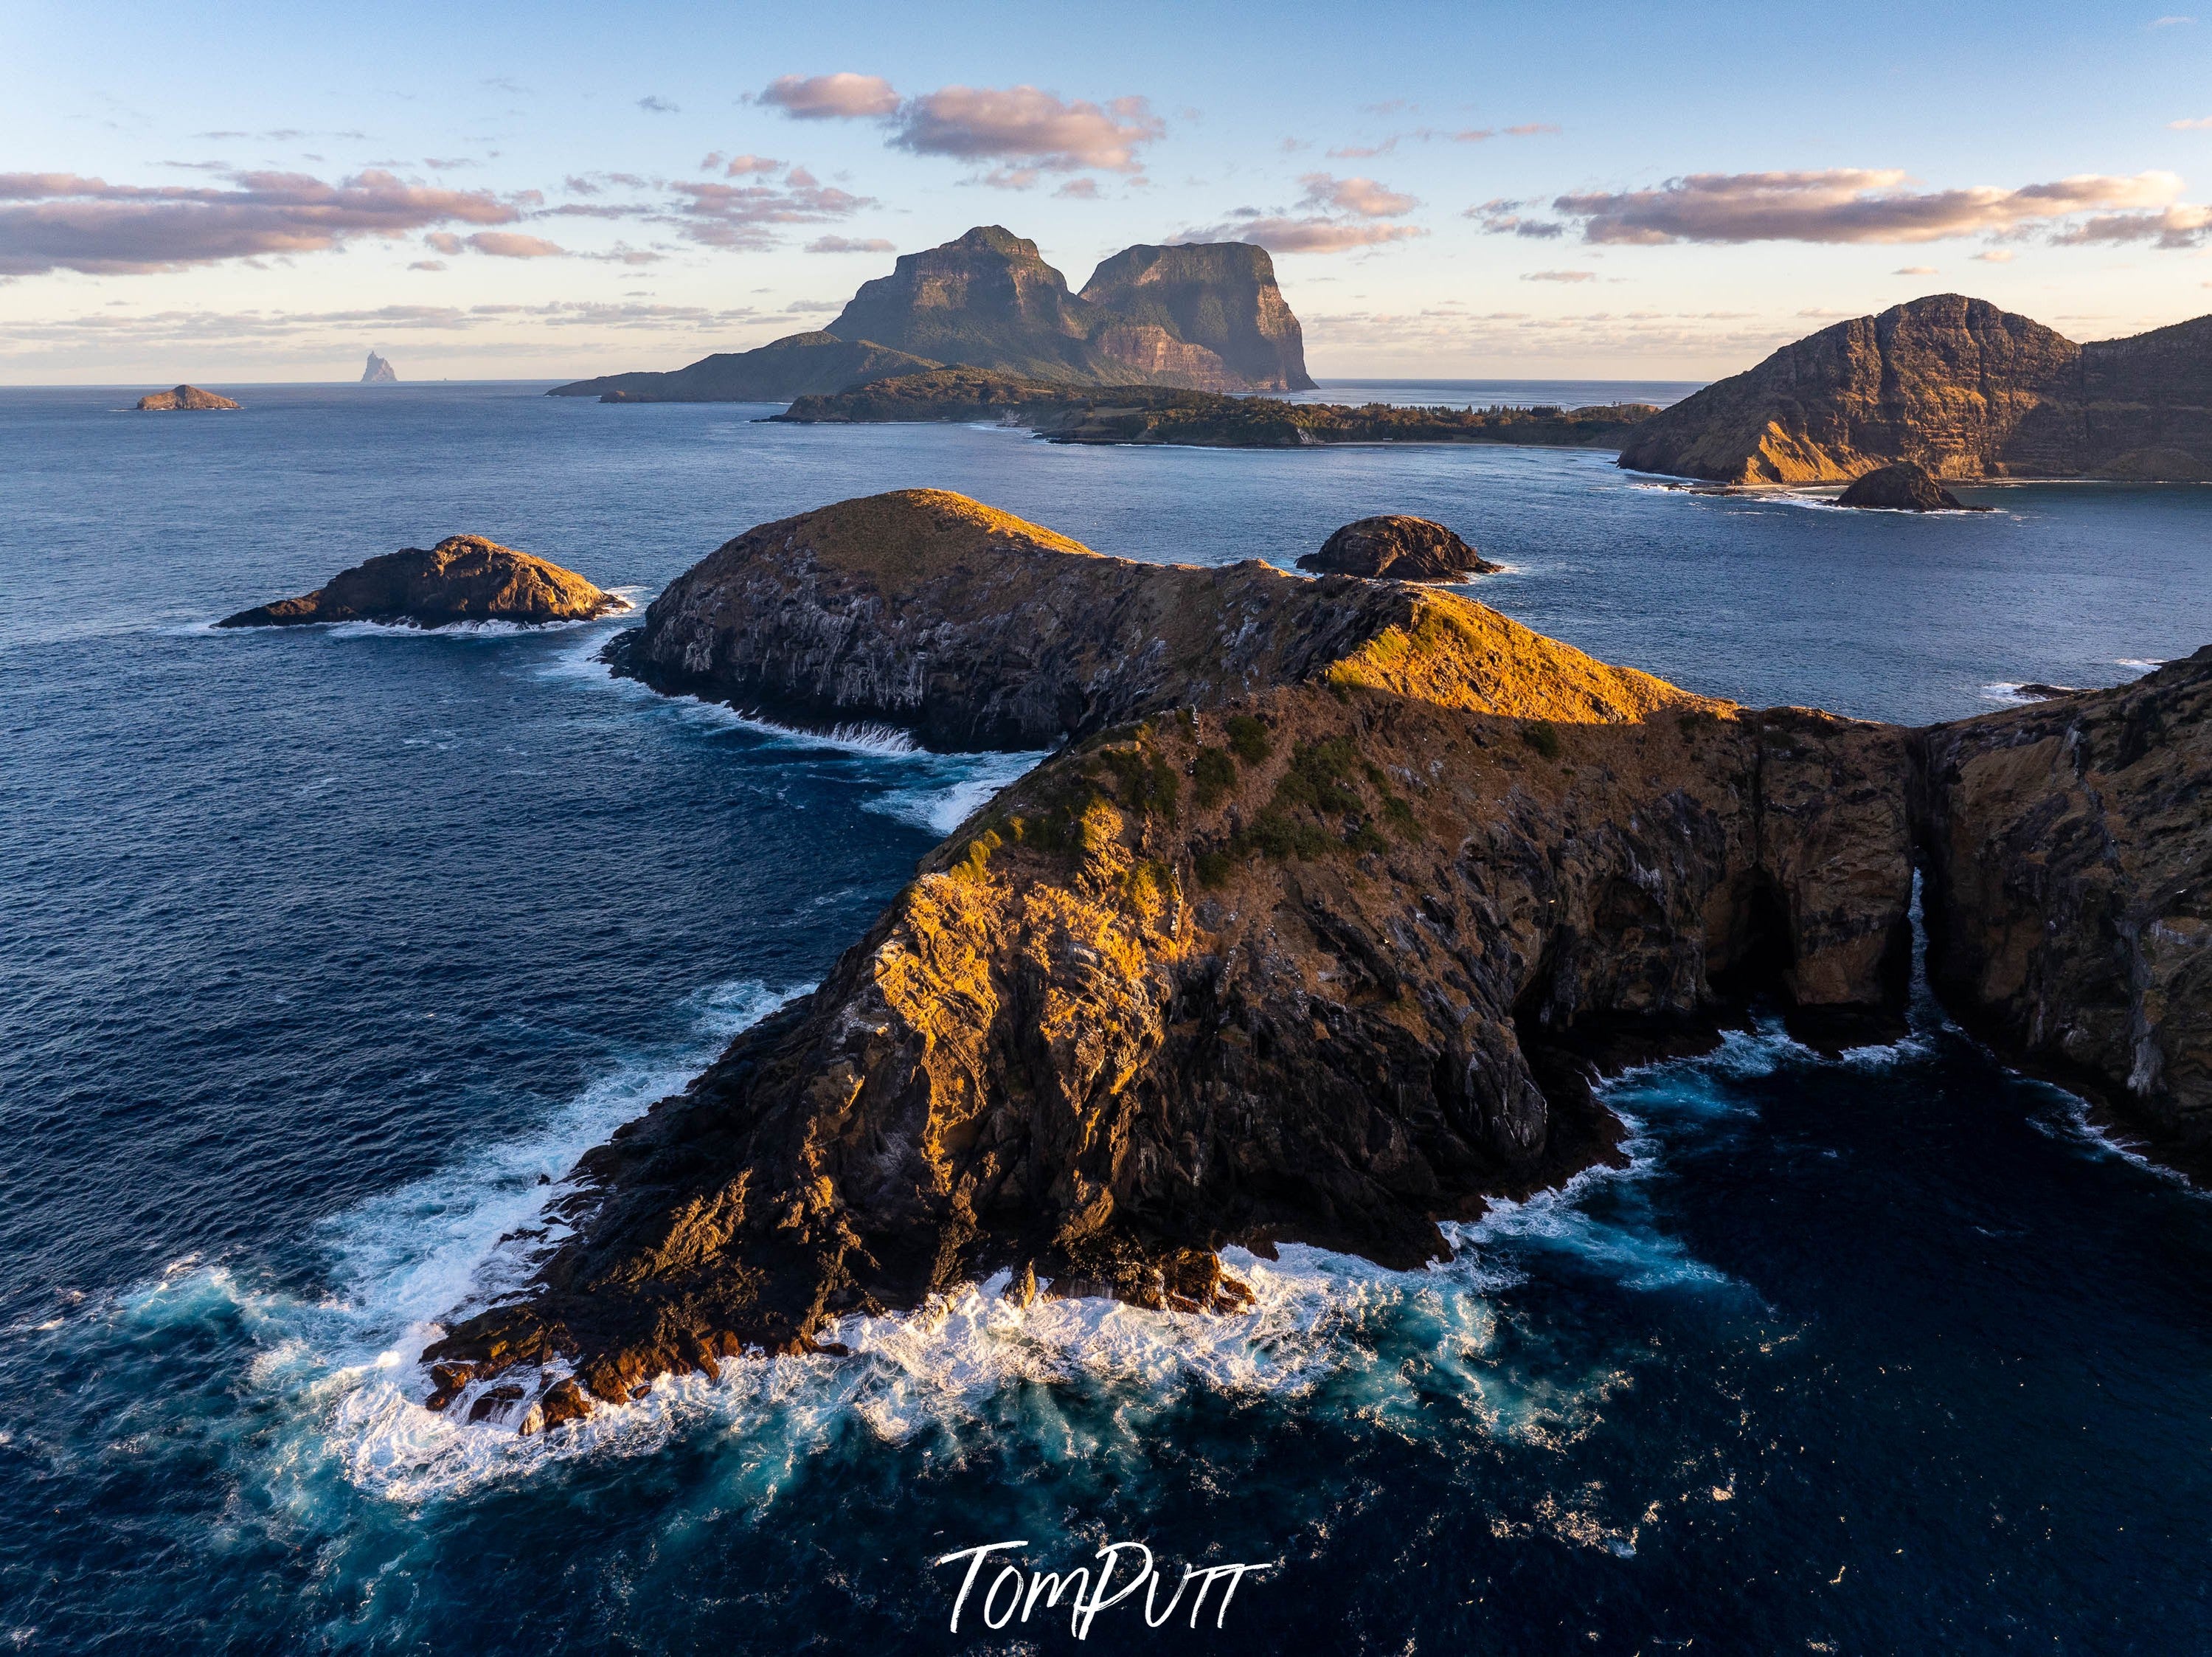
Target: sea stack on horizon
379,372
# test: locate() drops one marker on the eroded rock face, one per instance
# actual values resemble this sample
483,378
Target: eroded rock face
1398,548
2068,851
463,578
183,397
1953,385
1314,959
1904,487
1207,316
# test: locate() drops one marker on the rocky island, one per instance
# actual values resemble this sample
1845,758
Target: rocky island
183,397
1395,547
1158,414
1209,317
1904,487
463,578
379,372
1957,387
1313,927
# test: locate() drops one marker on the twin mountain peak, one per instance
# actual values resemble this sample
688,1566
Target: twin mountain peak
1207,316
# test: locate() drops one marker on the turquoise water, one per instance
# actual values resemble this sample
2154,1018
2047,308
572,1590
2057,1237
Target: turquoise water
322,947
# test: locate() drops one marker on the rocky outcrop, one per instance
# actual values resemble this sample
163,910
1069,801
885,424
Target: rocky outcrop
1299,936
463,578
1162,414
183,397
1953,385
2068,892
798,365
1207,316
1398,548
1904,487
379,372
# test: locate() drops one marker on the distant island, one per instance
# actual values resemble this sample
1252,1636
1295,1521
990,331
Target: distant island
1208,317
1161,414
463,578
183,397
379,372
1955,386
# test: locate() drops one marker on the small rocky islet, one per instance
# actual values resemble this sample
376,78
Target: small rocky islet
1903,487
1334,897
1396,547
462,579
182,398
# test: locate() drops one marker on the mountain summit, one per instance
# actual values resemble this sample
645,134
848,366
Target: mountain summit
1208,317
1954,385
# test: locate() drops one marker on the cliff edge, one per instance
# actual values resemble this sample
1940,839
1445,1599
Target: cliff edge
1299,936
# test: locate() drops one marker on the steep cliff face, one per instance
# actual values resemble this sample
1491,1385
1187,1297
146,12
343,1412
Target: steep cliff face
1945,381
1305,951
1209,317
988,300
1953,385
463,578
798,365
2069,849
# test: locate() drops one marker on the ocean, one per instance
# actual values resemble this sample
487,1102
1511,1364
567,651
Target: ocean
324,948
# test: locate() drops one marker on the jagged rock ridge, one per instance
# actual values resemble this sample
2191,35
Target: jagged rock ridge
1953,385
463,578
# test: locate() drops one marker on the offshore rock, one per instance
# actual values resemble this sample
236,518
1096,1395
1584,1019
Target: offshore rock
1956,385
1305,935
379,372
463,578
2068,894
1904,487
1398,548
183,397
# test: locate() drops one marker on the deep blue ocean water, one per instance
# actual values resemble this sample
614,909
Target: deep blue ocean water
321,947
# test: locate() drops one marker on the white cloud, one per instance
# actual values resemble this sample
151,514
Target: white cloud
843,96
1840,204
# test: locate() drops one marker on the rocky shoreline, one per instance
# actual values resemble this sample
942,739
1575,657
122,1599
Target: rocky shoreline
463,578
1316,927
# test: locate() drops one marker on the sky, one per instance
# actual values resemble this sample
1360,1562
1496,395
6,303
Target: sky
233,194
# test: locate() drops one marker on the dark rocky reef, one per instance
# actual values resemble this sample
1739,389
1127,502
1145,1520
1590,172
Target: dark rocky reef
2067,849
463,578
183,397
798,365
1904,487
1209,317
1398,548
1305,935
1953,385
1160,414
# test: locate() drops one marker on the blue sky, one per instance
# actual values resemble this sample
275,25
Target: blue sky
264,192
